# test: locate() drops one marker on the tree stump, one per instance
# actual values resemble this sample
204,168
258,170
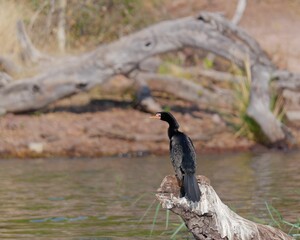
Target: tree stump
211,218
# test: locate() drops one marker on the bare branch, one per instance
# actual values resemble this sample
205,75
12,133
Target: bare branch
8,66
240,9
179,87
235,21
49,16
4,79
36,14
28,51
216,75
61,27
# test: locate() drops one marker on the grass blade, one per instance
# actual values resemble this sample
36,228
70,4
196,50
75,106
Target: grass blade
147,210
139,199
155,218
177,230
167,218
291,224
271,215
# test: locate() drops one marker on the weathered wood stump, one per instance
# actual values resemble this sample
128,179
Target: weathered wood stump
211,218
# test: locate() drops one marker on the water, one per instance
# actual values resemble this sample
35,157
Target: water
107,198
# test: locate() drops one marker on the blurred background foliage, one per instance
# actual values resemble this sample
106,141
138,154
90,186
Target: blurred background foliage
88,22
92,22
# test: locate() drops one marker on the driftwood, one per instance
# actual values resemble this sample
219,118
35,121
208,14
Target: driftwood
211,218
59,78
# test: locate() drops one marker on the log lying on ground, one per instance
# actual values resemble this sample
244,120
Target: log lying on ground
211,218
207,31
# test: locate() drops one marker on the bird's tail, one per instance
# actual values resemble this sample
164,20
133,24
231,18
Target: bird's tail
191,188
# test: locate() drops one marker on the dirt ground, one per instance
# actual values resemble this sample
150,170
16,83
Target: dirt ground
116,130
111,127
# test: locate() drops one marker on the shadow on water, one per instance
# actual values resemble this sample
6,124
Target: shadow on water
109,198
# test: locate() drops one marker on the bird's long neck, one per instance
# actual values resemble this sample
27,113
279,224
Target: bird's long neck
172,131
173,127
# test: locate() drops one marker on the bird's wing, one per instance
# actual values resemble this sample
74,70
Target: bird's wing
191,142
192,150
188,164
176,154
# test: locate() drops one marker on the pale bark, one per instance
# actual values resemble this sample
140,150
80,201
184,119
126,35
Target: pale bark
8,66
49,17
286,80
36,14
211,218
239,12
29,53
4,79
217,75
61,26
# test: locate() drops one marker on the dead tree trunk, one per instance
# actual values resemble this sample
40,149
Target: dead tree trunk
207,31
210,218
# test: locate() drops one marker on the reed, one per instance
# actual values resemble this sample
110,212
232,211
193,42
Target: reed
241,122
278,221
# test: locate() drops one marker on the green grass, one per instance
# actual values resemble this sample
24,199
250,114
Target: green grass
208,63
170,68
154,218
241,122
172,229
293,229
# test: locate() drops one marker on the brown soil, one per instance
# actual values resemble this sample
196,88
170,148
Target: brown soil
108,127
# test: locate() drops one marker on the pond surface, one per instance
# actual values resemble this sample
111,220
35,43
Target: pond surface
108,198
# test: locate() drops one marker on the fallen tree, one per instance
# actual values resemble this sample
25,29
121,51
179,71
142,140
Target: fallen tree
59,78
211,218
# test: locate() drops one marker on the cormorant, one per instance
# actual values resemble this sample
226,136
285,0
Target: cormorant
183,157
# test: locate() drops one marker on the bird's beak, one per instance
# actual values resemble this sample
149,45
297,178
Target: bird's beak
156,116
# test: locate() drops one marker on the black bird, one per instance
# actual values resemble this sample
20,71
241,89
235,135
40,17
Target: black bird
183,157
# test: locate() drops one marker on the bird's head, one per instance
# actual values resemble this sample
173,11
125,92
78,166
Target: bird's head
167,117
